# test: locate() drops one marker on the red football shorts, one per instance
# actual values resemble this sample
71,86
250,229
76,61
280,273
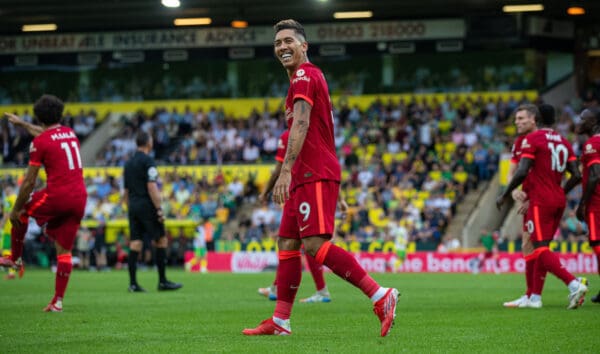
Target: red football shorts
592,219
60,216
310,211
541,222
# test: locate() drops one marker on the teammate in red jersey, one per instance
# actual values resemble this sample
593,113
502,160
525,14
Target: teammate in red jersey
309,185
589,205
546,155
59,207
316,269
526,123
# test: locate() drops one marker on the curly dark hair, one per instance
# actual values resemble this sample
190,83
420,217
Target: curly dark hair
48,109
547,114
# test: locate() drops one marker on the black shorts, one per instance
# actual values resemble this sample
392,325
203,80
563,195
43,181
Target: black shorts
144,221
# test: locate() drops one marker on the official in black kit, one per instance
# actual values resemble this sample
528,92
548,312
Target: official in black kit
143,199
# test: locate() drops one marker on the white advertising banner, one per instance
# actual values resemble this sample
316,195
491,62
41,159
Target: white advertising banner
343,32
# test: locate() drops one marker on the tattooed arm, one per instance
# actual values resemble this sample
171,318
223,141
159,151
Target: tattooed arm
298,133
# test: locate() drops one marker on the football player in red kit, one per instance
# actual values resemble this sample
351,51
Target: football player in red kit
59,207
309,184
546,156
589,205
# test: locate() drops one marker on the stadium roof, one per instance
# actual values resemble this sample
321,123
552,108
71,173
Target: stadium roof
109,15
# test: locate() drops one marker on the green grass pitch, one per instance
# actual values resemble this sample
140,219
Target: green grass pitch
437,313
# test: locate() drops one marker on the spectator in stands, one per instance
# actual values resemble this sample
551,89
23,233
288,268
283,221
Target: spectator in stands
251,153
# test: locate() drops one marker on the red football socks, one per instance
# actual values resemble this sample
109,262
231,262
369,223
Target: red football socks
63,272
346,267
316,269
529,273
17,238
597,252
289,275
549,261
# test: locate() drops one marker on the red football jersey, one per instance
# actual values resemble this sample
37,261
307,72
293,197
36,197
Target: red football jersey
282,146
516,149
317,159
516,155
550,152
57,149
591,156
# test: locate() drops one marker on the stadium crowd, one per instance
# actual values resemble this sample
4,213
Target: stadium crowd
406,165
15,140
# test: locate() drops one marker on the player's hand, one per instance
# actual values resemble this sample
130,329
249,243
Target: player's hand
281,191
527,245
343,206
14,119
160,215
262,198
518,195
501,200
580,213
15,218
523,207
